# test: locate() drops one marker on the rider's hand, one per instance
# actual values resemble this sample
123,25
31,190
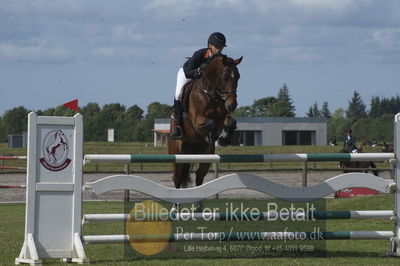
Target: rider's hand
197,74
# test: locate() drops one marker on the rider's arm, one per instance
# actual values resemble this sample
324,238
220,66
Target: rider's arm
192,64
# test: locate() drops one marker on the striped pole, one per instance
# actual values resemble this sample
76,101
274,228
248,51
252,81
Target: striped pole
215,158
241,216
12,186
13,167
238,236
13,157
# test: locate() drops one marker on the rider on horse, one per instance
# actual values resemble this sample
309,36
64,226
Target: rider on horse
192,70
349,144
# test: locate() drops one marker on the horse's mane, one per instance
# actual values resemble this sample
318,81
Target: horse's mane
212,58
227,61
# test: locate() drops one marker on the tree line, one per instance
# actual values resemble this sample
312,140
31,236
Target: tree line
129,123
132,124
374,125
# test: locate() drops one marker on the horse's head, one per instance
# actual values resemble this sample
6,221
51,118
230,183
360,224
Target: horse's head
223,71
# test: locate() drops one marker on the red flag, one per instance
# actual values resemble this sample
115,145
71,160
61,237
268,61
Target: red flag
72,105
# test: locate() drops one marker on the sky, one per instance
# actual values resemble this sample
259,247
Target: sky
128,52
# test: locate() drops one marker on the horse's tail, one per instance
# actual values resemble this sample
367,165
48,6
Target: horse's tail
373,165
185,179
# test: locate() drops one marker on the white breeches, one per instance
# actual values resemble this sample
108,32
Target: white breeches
181,81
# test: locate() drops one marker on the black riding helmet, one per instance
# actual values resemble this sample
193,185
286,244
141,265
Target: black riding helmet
349,130
217,39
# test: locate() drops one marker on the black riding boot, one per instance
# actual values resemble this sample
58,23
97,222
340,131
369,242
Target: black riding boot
176,132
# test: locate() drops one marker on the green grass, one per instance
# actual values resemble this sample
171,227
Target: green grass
339,252
148,148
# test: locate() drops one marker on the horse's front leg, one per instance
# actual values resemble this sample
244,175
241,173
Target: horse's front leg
177,170
229,126
201,172
181,180
211,127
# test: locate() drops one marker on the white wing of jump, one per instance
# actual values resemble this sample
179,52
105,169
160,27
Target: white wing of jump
239,181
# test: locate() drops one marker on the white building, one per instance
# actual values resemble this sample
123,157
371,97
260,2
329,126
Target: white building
265,131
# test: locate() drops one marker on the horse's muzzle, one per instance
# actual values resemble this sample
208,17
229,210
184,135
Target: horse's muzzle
231,107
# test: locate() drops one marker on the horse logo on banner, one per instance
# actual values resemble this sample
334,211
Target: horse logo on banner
55,151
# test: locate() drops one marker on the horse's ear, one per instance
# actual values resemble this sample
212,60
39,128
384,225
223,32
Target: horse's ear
237,61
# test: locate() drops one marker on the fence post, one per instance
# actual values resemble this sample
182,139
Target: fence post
215,169
141,164
270,163
96,166
127,171
392,169
304,175
229,164
395,241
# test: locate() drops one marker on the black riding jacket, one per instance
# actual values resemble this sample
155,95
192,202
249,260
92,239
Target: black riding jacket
192,64
349,144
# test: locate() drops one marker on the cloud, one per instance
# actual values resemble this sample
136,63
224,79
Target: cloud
174,6
388,38
335,5
41,52
122,33
115,55
167,30
51,8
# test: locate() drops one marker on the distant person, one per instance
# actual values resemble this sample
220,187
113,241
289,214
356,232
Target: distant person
333,141
192,70
349,144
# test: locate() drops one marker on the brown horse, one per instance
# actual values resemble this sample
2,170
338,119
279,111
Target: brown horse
387,147
211,100
365,165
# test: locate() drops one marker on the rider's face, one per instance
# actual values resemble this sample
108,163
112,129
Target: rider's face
216,49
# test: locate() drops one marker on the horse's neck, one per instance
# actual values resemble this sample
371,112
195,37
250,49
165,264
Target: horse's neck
202,97
206,83
203,90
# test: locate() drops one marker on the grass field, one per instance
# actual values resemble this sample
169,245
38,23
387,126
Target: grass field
338,252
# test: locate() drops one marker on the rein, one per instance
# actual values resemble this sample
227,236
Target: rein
220,92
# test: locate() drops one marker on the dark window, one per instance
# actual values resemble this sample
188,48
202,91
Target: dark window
290,138
247,138
298,137
305,137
